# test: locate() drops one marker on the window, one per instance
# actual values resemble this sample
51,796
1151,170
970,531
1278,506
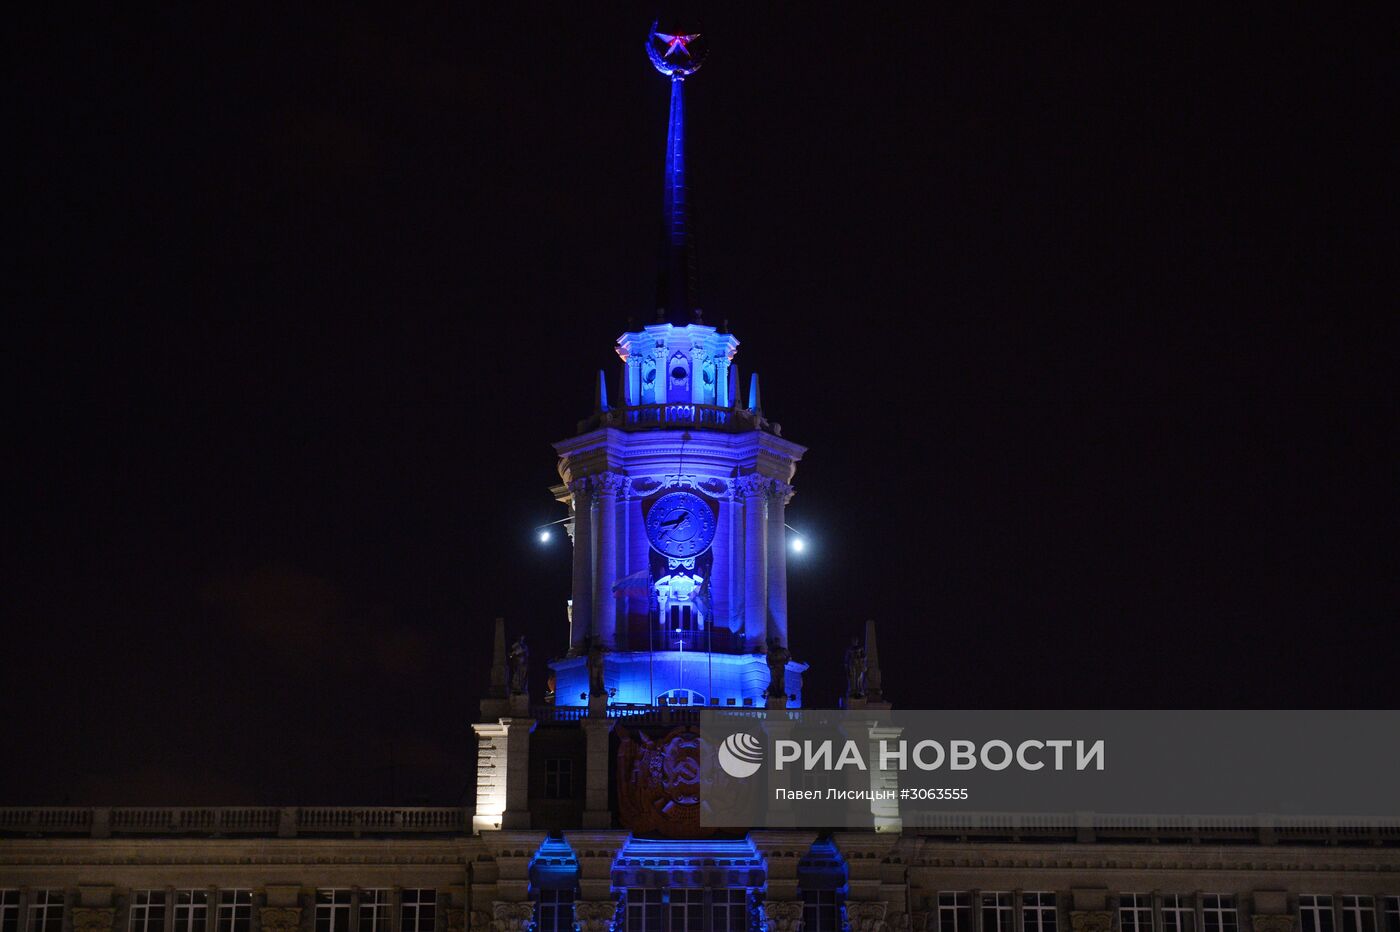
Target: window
332,911
996,912
9,911
191,910
1358,914
374,910
1392,914
682,621
729,909
555,911
1219,913
1038,912
644,910
1135,912
687,910
46,911
1314,913
417,911
821,911
954,912
147,911
235,910
1177,916
558,778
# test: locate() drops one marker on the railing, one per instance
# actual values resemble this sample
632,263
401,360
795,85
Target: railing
289,822
680,415
46,820
650,714
286,822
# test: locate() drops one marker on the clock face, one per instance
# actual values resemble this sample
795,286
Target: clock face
680,524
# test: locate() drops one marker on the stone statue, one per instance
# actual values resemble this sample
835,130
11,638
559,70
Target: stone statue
519,666
596,685
778,656
855,669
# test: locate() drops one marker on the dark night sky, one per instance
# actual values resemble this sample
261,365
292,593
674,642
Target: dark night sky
1088,325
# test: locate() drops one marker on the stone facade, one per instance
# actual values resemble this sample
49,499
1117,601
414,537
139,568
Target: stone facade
484,881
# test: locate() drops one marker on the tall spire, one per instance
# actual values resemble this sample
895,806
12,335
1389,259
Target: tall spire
677,56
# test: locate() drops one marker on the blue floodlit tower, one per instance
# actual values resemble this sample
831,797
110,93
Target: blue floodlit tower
676,490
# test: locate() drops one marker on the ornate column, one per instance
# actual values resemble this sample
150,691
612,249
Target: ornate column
778,495
697,374
660,392
725,588
633,395
605,488
752,488
581,625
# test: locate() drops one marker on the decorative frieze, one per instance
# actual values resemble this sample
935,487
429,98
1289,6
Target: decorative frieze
782,916
512,917
280,918
866,915
595,915
776,491
601,483
1091,920
91,919
1272,923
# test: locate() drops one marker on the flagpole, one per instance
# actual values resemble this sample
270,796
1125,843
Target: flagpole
651,653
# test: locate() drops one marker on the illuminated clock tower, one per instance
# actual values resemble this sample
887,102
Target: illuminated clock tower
677,489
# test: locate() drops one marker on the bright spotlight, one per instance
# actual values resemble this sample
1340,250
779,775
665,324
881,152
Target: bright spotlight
798,545
545,536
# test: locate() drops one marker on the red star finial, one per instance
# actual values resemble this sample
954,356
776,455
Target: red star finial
677,42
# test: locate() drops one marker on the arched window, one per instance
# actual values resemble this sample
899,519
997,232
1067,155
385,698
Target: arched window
680,697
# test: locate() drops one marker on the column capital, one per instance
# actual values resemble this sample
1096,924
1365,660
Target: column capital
595,915
601,483
782,915
512,917
866,915
755,484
